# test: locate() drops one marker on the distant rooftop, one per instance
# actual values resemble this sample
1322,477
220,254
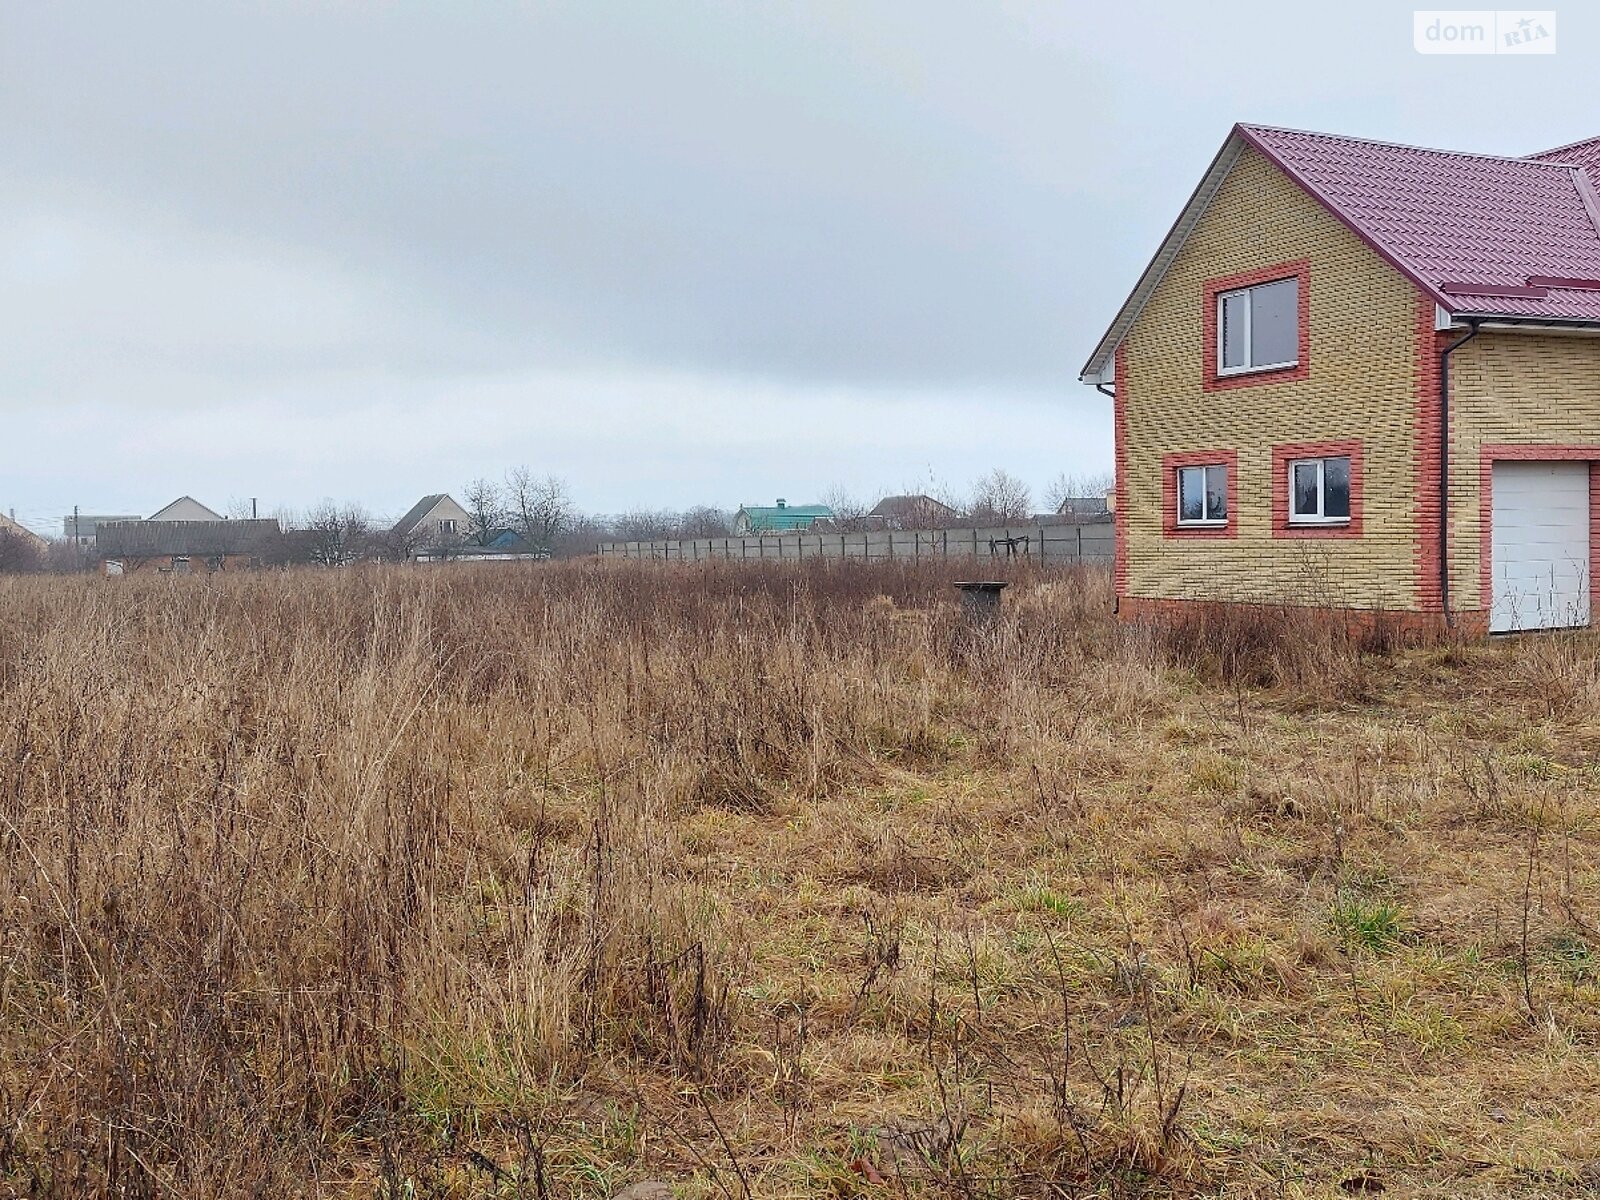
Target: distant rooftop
151,539
895,507
781,516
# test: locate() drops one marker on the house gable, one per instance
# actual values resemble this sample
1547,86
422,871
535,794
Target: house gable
1512,239
17,529
448,510
429,511
1355,380
186,508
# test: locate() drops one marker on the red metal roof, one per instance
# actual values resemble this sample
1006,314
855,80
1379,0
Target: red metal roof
1585,154
1455,222
1483,235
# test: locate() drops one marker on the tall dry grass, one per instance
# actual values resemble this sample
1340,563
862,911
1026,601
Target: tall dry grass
269,845
523,881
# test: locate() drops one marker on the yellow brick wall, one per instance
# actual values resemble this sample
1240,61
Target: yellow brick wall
1365,343
1511,389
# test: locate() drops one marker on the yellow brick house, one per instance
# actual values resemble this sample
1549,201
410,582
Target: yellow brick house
1365,377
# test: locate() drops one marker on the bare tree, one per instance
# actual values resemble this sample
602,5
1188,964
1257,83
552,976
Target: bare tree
65,556
19,553
644,525
1000,498
1070,486
395,544
336,536
704,521
910,509
486,510
849,513
540,509
950,498
581,536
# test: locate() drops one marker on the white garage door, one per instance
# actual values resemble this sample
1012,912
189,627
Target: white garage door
1540,545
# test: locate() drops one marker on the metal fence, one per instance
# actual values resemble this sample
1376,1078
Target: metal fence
1090,543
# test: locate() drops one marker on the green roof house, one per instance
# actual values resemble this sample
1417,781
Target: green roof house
782,517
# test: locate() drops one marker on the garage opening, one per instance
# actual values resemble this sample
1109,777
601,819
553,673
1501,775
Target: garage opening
1539,546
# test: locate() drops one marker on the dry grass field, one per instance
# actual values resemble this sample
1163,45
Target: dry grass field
778,883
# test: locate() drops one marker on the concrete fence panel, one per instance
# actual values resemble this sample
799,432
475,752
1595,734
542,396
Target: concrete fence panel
1065,544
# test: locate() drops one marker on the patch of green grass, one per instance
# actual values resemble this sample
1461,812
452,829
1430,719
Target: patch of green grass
1574,957
1433,1030
1039,898
1217,1137
1241,964
1375,925
1533,766
1371,879
1024,942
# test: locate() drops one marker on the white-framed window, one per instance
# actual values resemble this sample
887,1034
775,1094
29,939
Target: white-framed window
1319,491
1203,495
447,525
1258,328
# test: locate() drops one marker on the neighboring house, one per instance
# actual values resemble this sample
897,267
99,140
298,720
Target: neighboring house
1365,376
81,528
508,541
1084,509
185,547
912,512
782,517
186,508
504,545
14,528
434,521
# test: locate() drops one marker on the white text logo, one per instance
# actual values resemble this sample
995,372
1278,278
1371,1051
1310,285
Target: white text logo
1483,31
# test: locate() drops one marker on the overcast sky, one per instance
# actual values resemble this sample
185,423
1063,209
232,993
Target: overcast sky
675,252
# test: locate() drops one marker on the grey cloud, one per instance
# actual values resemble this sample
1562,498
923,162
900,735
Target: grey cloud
374,249
753,186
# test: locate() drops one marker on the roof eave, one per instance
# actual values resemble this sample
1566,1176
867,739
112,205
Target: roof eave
1095,370
1525,323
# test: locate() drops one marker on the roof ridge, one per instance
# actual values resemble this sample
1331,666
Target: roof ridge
1587,194
1545,155
1396,256
1458,214
1534,161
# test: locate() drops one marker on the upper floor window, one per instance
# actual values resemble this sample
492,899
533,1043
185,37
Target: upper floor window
1258,328
1319,491
447,525
1203,495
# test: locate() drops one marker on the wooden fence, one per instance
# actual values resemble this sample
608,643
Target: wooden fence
1090,543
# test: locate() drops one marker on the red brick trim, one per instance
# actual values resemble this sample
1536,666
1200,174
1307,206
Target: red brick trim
1169,493
1211,379
1282,456
1119,432
1487,457
1429,429
1411,626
